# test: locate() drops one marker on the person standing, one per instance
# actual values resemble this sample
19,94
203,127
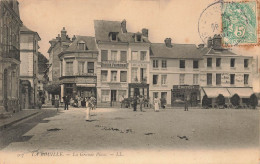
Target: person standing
156,104
135,103
186,104
141,101
66,102
87,118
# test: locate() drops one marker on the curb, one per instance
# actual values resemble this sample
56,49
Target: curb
2,127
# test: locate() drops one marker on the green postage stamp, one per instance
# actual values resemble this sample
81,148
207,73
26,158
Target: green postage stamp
239,23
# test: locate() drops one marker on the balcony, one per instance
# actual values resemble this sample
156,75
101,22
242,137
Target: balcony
11,52
114,64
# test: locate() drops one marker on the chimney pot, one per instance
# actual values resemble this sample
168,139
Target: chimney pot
145,32
123,26
168,42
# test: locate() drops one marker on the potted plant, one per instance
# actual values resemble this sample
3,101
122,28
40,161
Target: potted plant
205,102
235,101
253,101
221,101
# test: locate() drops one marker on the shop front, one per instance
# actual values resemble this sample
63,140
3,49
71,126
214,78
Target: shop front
138,89
179,92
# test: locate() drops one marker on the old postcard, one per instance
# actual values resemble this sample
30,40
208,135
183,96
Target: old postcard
129,81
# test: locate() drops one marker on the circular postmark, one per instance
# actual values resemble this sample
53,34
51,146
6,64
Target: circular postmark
209,22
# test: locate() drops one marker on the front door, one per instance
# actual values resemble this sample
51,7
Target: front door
113,95
137,92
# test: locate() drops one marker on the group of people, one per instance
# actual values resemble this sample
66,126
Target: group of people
140,100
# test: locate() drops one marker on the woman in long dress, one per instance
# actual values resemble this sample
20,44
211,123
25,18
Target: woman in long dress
156,104
87,110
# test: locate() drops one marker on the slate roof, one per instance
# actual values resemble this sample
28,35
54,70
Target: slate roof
25,29
185,51
89,41
104,27
222,52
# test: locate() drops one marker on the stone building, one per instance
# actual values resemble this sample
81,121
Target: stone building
174,71
29,95
10,24
78,68
123,62
42,67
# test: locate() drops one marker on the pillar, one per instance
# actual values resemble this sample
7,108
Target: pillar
61,92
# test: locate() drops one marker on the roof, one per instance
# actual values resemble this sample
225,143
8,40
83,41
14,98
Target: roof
25,29
103,28
186,51
220,51
89,41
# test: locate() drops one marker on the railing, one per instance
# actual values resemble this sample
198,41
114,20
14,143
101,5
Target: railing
11,52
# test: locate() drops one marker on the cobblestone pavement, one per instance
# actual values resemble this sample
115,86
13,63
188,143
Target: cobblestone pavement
123,129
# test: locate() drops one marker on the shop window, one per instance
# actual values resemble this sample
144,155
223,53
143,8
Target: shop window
164,63
104,55
246,77
81,68
103,75
123,76
195,79
181,79
134,75
69,68
232,78
134,55
113,76
164,96
155,95
218,79
246,63
155,79
232,62
209,79
123,57
164,79
209,62
155,63
114,55
218,62
143,56
104,95
182,63
90,67
195,64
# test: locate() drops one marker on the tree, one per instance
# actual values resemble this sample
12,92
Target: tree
253,101
221,100
53,88
235,100
205,102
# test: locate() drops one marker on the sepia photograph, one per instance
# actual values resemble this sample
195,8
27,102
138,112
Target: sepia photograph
129,81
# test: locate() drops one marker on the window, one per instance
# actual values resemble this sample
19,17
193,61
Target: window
123,56
113,36
232,62
155,94
134,55
104,56
114,76
155,79
182,63
114,55
155,63
81,46
123,76
164,79
103,75
209,79
218,62
134,75
81,68
195,64
181,79
69,68
232,78
245,63
143,56
246,76
143,74
218,79
90,67
164,63
138,38
209,62
195,79
104,95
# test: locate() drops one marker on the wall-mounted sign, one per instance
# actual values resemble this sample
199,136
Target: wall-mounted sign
225,78
203,78
113,64
139,65
239,78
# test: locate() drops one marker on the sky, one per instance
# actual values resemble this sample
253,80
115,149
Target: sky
176,19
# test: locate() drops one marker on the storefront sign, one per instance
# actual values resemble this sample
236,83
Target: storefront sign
185,86
113,64
86,80
203,78
239,78
139,64
225,78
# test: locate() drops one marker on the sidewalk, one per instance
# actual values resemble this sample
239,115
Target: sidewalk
16,117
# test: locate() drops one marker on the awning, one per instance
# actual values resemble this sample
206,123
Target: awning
242,92
214,92
86,85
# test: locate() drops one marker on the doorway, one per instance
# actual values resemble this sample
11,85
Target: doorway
136,92
113,95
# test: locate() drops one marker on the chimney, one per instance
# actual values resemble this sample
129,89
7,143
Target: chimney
74,38
201,46
123,26
63,34
145,32
168,42
217,42
209,42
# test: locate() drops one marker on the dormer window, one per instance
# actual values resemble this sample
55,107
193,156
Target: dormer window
82,45
138,37
113,36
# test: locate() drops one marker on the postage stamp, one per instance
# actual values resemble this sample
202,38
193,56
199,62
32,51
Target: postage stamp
239,23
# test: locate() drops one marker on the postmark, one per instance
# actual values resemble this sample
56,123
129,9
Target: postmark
239,23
